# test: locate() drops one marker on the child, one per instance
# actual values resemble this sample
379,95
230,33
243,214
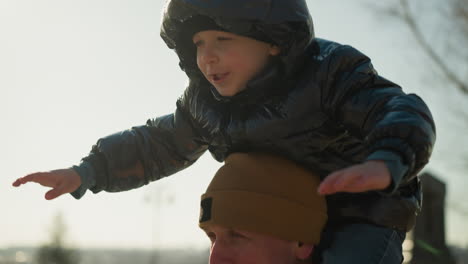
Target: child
259,80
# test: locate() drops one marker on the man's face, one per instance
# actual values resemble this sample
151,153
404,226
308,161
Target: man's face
228,61
242,247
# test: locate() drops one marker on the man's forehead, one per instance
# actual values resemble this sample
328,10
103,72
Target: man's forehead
214,227
219,228
231,230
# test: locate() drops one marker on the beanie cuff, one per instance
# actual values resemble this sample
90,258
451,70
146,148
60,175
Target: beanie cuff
262,213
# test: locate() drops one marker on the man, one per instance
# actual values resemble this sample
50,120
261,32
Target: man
262,209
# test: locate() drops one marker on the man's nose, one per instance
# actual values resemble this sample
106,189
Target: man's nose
220,254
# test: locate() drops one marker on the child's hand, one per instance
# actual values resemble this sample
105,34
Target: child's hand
370,175
62,181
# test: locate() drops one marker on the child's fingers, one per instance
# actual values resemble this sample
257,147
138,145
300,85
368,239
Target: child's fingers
368,183
16,183
33,177
346,180
54,193
360,178
43,178
328,184
25,179
359,184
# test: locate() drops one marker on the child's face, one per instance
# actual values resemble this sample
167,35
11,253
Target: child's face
228,61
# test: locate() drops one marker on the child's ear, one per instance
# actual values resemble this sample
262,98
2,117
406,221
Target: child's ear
274,50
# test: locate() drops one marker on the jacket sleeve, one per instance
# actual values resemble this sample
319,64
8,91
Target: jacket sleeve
396,127
135,157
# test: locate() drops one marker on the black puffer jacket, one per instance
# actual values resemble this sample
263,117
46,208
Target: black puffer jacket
319,103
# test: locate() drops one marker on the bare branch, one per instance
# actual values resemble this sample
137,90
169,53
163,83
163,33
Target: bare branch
410,21
460,12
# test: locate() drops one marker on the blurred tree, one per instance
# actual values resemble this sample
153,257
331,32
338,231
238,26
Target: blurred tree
445,44
56,252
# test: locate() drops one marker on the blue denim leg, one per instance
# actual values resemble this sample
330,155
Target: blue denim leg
363,244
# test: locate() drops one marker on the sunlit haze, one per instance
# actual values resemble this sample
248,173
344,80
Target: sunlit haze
74,71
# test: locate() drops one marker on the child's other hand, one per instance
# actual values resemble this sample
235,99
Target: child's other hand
370,175
61,181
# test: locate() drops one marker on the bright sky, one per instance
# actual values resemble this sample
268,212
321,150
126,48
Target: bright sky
74,71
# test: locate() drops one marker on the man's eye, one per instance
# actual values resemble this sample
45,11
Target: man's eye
237,235
198,43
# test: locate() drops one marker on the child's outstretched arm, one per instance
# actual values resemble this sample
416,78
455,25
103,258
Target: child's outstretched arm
138,156
128,159
61,181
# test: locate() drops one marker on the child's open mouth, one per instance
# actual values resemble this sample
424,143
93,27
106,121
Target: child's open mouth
219,77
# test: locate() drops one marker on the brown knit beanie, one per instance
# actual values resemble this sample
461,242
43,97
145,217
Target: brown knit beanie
266,194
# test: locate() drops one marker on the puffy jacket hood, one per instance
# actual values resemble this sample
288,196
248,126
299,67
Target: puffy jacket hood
287,24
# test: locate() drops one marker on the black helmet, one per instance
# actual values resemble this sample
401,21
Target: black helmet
285,23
